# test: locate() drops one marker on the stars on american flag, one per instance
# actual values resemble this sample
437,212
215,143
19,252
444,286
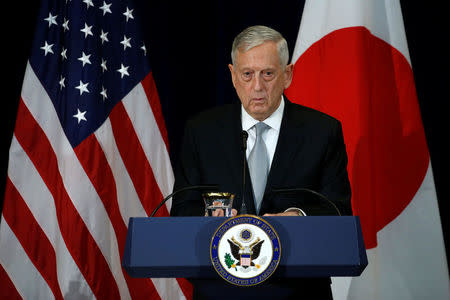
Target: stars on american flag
63,53
104,37
61,82
125,42
84,58
88,3
103,93
51,20
82,87
95,56
128,14
106,8
47,48
144,49
123,71
103,65
65,25
87,30
80,115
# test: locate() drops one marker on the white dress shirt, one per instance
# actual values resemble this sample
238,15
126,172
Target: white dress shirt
270,136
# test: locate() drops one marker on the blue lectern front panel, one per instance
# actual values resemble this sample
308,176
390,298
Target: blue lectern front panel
179,247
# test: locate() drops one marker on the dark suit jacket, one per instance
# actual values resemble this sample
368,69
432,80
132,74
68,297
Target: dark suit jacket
310,153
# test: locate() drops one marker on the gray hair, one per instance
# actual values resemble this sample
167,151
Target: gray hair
256,35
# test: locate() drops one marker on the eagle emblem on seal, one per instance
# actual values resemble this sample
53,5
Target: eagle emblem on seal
245,251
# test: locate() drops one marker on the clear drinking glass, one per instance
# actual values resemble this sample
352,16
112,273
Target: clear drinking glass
214,201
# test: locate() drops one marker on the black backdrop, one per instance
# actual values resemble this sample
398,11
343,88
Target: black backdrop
189,45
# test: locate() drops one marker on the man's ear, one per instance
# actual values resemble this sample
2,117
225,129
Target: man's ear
233,75
288,73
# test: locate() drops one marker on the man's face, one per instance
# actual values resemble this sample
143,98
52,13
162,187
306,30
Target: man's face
260,80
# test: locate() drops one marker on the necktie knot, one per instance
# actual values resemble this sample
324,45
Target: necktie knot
260,128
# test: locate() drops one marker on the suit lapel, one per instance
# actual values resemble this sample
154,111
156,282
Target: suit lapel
289,141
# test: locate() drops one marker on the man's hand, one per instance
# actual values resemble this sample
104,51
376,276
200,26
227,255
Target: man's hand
220,213
286,213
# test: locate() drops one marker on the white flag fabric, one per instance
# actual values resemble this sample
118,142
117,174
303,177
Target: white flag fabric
352,62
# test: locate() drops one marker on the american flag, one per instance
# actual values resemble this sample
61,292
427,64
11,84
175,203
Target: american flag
89,151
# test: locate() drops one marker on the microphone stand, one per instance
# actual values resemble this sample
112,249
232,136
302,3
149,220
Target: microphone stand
321,196
192,187
243,209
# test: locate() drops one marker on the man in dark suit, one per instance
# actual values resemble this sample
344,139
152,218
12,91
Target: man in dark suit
294,146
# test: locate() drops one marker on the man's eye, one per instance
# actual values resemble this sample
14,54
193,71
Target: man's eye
246,75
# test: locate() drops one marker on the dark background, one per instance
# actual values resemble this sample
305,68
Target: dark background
189,47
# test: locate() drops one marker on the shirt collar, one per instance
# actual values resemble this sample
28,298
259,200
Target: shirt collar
274,120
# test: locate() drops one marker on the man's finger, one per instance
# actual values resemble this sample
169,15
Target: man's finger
283,214
218,213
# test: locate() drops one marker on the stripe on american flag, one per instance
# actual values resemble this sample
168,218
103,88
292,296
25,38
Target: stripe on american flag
96,167
150,128
24,176
153,98
147,131
8,291
31,237
133,157
129,203
26,278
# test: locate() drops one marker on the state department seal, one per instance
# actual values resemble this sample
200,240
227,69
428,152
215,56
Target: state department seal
245,250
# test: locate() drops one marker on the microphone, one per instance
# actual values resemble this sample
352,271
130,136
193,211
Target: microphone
186,188
321,196
243,209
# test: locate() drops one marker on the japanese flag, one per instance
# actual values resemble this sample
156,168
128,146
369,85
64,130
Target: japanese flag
352,62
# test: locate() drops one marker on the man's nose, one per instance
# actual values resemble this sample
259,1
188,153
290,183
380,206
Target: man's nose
258,83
